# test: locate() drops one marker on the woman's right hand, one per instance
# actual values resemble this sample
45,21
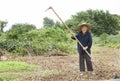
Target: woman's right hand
72,34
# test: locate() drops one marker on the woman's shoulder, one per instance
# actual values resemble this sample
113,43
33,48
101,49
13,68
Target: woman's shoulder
79,33
88,33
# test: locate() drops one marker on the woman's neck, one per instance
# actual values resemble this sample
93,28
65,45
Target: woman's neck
83,32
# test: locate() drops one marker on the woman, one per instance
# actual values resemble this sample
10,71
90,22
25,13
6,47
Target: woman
85,38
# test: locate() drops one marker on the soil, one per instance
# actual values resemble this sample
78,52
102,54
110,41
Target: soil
106,62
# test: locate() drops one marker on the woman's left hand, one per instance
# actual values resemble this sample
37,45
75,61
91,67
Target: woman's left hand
85,48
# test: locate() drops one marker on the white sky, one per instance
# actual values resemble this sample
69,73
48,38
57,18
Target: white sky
32,11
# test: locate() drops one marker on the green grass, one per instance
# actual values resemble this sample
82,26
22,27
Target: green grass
16,76
8,77
11,70
15,66
107,40
14,71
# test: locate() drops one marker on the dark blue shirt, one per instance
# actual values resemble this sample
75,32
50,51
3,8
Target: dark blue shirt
86,40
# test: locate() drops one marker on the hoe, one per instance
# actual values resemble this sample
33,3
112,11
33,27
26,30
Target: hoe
69,31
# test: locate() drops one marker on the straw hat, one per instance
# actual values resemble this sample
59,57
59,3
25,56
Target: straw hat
83,24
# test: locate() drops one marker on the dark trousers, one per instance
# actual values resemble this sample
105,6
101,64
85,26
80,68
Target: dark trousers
83,57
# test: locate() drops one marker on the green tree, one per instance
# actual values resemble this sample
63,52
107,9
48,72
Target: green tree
57,24
18,29
118,20
47,22
2,25
102,22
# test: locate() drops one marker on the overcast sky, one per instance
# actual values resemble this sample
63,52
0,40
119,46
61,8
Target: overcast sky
32,11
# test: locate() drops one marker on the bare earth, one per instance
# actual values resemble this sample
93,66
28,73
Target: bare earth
66,68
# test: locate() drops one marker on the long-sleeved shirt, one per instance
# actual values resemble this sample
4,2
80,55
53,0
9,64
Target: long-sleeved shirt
86,40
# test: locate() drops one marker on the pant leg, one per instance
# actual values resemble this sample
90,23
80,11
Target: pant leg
82,62
88,62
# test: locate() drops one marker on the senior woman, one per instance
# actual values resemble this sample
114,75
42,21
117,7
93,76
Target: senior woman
85,38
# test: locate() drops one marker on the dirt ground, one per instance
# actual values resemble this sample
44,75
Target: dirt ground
66,68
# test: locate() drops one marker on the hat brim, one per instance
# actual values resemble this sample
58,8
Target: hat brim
80,27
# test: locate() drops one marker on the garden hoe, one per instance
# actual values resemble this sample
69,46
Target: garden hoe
69,30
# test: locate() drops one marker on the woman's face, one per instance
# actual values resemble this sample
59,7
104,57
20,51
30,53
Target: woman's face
84,29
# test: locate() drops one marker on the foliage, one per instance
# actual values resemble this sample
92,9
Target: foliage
47,22
102,22
37,41
48,39
108,40
58,24
18,29
103,38
2,25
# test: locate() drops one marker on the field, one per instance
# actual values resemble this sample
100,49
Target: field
66,68
28,53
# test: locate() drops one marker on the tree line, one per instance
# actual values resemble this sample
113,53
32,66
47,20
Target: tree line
101,21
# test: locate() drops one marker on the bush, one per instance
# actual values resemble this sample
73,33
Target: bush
108,40
39,41
48,39
18,29
103,38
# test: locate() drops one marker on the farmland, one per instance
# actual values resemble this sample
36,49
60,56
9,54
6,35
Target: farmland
66,68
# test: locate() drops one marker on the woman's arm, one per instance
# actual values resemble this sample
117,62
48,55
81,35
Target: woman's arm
89,41
72,36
